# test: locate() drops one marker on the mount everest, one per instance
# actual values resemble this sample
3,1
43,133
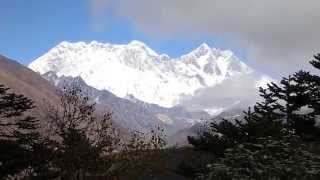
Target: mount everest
135,71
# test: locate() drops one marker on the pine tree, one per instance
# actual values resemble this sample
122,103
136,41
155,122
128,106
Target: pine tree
286,101
284,95
218,137
277,134
313,81
18,133
258,123
306,102
268,108
316,61
267,158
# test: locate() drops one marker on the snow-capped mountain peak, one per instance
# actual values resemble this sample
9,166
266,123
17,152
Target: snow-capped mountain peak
203,49
140,45
137,70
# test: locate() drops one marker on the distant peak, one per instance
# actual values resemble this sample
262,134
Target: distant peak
227,53
203,49
67,44
143,46
64,43
136,42
94,43
204,46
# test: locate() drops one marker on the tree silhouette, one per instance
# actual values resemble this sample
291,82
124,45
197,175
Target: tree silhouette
289,102
87,145
267,158
217,137
258,123
19,138
277,139
79,137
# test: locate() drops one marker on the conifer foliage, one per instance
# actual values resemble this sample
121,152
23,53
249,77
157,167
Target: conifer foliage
267,158
19,137
277,139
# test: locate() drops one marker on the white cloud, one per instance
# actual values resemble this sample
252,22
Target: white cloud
240,92
280,34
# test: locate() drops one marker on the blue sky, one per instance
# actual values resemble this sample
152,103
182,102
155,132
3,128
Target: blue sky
29,28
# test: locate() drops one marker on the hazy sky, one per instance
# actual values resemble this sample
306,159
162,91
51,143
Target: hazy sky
274,36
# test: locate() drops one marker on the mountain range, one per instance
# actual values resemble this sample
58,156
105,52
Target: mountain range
129,115
135,70
142,88
133,114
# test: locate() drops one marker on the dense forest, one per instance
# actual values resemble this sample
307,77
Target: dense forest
277,139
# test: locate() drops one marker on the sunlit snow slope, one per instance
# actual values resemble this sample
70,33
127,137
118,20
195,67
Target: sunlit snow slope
136,70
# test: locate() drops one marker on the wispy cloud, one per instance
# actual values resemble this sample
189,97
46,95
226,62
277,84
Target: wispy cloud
98,12
280,34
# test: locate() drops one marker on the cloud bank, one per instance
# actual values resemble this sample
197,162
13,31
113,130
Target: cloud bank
237,92
280,34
